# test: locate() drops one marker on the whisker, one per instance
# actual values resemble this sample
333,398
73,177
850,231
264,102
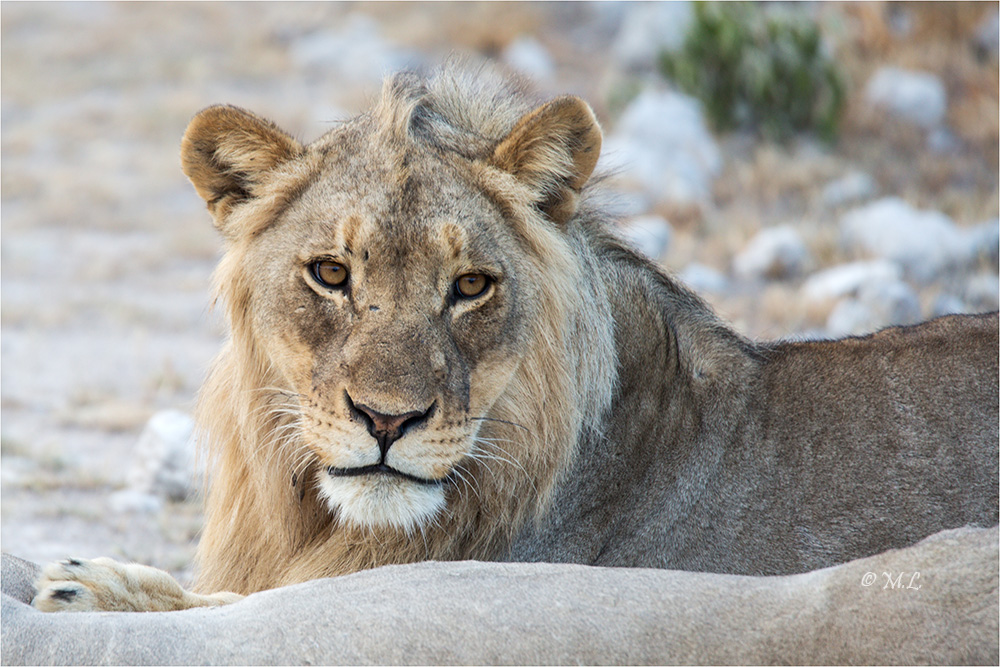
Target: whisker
496,440
500,421
482,456
423,537
503,454
458,470
483,461
276,390
508,459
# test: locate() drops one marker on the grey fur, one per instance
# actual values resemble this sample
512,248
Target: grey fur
723,455
488,613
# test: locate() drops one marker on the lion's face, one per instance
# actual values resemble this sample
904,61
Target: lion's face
389,291
395,312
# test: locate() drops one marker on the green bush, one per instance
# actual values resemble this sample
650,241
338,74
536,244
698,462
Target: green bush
755,70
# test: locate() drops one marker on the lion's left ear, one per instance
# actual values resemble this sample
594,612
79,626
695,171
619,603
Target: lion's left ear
553,150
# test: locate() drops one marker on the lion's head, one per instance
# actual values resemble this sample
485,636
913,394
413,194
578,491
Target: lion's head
406,301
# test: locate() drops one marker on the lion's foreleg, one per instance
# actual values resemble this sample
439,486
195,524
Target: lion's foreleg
103,584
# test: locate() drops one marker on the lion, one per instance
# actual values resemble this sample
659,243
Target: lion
440,350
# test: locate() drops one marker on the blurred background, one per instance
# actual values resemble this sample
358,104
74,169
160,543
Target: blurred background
812,169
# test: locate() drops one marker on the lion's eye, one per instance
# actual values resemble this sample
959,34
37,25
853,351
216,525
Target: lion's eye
329,273
471,285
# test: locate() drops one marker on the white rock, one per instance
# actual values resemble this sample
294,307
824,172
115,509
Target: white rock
878,305
918,97
129,500
982,292
606,16
703,278
528,56
900,22
851,188
924,243
776,252
988,33
947,304
983,243
847,279
662,143
651,234
849,317
164,464
943,141
893,302
354,51
650,28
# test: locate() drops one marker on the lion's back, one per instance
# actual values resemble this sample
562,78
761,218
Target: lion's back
896,432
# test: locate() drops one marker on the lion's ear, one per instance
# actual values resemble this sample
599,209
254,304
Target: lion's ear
553,150
227,152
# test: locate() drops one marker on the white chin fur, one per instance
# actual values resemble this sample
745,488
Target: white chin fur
381,501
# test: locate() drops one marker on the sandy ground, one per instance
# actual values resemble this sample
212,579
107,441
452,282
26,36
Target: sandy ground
107,252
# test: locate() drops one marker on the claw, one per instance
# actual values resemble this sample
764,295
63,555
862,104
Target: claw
64,594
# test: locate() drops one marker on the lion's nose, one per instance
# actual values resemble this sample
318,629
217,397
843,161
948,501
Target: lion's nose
387,429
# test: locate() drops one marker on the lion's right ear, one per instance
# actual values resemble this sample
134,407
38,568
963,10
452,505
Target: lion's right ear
227,152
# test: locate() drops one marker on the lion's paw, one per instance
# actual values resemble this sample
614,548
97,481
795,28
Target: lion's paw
103,584
58,590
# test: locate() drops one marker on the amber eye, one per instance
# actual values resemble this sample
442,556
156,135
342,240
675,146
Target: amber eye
329,273
471,285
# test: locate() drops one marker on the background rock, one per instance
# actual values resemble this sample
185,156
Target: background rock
877,305
924,243
129,500
981,292
649,29
662,143
354,51
917,97
851,188
983,244
164,459
847,279
942,141
528,56
649,234
947,304
703,278
774,253
988,34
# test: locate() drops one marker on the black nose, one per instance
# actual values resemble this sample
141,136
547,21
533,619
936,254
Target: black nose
386,429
